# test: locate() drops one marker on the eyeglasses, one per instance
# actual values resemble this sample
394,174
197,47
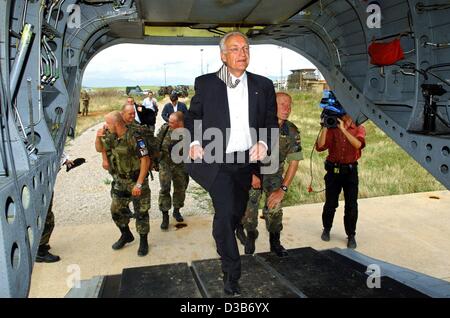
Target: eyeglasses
236,50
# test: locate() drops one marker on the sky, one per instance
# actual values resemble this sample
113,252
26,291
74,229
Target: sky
157,65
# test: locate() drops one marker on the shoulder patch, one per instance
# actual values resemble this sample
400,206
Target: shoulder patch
141,147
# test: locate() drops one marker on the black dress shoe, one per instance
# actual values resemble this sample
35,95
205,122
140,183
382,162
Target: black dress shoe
47,257
325,235
351,242
232,288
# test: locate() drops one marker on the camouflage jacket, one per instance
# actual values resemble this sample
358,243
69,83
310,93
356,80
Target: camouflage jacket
290,144
146,133
164,143
124,153
84,96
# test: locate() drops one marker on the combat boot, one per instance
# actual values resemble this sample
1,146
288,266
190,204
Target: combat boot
176,214
125,238
44,256
240,234
250,242
165,220
143,245
275,245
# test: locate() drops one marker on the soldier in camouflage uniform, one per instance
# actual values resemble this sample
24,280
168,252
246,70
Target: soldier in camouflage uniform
147,131
127,159
129,114
170,171
85,99
43,254
274,185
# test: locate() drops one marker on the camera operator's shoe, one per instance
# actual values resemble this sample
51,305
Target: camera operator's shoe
325,235
176,214
351,242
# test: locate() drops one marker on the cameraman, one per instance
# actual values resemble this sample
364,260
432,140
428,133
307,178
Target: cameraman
344,144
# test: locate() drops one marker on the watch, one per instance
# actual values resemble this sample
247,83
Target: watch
284,188
138,185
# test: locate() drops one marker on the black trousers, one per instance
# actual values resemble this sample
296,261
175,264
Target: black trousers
229,194
335,183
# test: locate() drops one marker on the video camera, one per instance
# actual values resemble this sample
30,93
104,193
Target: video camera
332,110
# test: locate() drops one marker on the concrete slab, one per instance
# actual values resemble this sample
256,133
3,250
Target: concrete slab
411,231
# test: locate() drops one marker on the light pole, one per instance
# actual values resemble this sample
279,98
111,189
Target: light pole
201,61
281,68
165,70
165,79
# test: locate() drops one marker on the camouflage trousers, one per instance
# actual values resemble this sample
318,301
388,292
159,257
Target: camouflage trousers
49,225
169,173
85,108
273,217
121,198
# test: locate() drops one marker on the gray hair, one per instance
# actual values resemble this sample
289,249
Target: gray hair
226,36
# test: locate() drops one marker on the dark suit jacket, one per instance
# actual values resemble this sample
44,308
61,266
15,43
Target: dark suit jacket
210,104
168,109
147,116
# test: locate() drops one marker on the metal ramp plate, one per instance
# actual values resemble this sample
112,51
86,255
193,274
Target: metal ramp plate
256,280
161,281
319,276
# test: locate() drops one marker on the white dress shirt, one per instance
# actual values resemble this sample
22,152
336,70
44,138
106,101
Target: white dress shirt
149,103
240,138
136,116
238,104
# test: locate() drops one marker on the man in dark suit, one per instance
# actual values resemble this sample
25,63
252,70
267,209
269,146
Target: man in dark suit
144,115
173,107
233,102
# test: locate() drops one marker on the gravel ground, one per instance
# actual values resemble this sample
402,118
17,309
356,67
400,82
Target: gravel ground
82,195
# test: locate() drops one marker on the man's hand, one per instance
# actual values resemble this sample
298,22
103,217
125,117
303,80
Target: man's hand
275,198
68,163
136,192
101,131
258,152
105,165
196,152
256,182
341,124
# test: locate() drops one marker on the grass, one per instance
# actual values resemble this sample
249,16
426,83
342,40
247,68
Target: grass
384,169
105,100
102,101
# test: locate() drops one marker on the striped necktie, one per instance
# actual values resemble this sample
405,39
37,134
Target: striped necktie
225,76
